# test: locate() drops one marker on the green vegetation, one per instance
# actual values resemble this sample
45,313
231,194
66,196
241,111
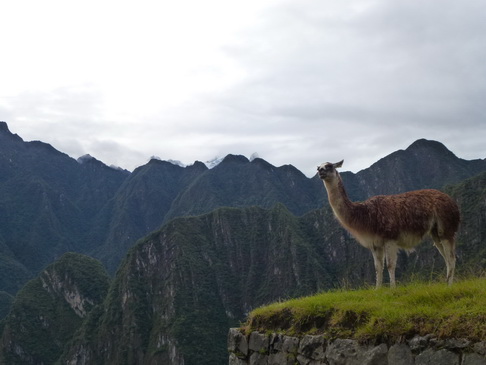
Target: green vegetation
39,325
6,301
418,308
42,319
267,234
471,196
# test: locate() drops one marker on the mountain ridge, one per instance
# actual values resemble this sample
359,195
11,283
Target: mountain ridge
212,243
198,275
61,205
50,308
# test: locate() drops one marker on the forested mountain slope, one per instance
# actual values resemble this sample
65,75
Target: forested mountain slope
51,203
50,308
48,205
223,241
181,288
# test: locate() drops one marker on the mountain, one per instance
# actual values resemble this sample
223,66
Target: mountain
139,206
51,204
6,301
50,308
159,191
212,244
181,288
424,164
237,182
471,197
48,202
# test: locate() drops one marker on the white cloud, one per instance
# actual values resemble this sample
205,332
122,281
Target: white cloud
299,82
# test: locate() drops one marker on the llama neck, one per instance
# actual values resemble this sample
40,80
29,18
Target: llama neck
338,199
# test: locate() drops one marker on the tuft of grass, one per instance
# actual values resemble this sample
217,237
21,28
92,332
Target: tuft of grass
385,314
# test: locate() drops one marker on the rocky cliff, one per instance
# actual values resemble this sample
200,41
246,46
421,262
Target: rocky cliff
182,287
51,203
50,308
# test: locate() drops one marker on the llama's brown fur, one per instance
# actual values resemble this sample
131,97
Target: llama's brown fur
386,223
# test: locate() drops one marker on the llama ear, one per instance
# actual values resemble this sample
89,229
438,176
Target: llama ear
338,164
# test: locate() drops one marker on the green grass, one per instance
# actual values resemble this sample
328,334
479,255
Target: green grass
385,314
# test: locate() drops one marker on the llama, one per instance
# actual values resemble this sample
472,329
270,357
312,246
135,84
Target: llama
386,223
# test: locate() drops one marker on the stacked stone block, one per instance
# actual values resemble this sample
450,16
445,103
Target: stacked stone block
279,349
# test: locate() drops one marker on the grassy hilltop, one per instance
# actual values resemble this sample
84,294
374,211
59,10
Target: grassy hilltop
386,314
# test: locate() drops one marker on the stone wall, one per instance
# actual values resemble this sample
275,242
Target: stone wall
277,349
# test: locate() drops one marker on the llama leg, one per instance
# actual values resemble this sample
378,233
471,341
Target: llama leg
391,251
450,258
378,258
438,244
447,251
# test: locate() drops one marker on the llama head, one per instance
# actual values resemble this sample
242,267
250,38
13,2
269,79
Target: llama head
327,171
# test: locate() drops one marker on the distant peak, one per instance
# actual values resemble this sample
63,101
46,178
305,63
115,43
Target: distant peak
422,142
4,127
177,163
85,158
5,131
198,165
92,161
172,162
261,162
235,159
117,168
213,163
425,144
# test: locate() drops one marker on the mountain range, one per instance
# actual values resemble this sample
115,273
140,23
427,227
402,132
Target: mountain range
212,244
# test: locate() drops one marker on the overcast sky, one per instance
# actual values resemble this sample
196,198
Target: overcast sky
298,82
